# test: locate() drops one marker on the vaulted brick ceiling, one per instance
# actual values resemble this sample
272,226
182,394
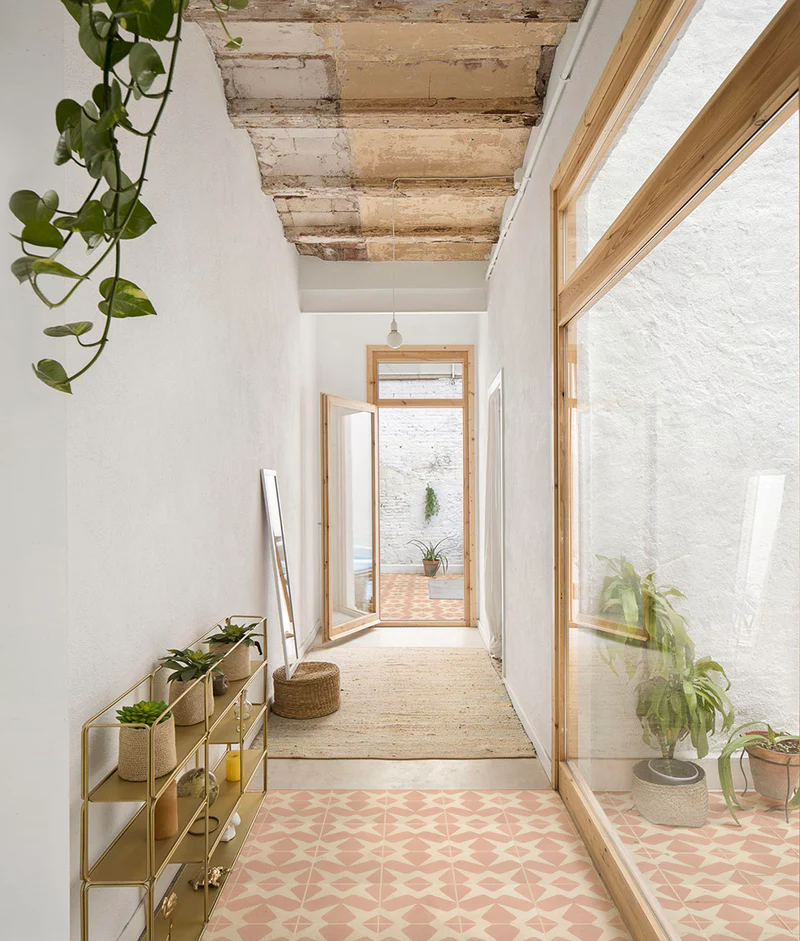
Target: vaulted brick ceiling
340,97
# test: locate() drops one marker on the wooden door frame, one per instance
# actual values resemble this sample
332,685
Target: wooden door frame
372,619
464,354
757,97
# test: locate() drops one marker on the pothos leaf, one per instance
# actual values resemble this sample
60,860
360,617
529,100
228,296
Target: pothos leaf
42,234
153,25
51,266
94,24
30,207
22,268
145,65
69,329
129,299
52,374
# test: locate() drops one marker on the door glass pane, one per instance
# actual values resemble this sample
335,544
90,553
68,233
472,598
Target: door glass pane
422,504
350,487
404,380
716,36
684,425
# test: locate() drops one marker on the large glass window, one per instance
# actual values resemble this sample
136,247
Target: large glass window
683,428
712,41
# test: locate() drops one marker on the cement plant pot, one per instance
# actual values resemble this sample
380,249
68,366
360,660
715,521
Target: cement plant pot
431,568
133,745
236,665
671,801
189,711
774,772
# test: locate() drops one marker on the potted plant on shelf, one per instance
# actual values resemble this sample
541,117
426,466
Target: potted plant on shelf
774,762
677,696
432,556
236,663
188,667
137,724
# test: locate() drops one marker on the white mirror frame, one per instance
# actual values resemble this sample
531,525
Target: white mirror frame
275,529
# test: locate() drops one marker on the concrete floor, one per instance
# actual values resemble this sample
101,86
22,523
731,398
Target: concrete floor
377,774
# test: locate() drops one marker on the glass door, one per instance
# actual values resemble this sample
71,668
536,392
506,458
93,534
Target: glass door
350,580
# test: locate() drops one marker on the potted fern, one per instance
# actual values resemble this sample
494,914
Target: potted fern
432,556
678,697
137,723
236,662
189,667
774,763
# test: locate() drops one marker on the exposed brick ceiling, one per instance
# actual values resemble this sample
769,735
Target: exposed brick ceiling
340,97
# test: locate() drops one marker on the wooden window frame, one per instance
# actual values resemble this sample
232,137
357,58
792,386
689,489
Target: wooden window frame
439,354
754,100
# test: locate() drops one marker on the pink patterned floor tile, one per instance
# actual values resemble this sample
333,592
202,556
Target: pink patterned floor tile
414,866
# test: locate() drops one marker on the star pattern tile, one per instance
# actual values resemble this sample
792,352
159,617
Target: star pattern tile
720,882
405,598
414,866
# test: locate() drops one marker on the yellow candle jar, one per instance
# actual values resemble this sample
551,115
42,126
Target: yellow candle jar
233,766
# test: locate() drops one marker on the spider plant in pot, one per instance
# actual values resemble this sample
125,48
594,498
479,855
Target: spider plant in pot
236,659
137,723
774,764
678,697
190,669
432,556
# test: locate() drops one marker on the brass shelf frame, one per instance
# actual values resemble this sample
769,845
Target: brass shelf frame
133,858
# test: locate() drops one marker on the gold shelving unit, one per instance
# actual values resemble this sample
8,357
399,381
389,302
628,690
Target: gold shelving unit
134,858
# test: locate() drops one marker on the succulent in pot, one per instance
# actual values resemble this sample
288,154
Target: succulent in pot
137,723
236,662
432,556
774,763
188,667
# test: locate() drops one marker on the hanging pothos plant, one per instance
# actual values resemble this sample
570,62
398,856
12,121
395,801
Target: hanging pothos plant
113,34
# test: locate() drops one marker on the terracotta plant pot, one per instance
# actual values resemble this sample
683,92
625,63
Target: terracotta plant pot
189,711
431,567
770,774
236,665
133,745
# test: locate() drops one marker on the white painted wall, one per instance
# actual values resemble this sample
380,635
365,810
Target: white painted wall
141,492
34,742
515,335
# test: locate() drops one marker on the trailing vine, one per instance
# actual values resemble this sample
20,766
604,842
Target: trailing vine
111,33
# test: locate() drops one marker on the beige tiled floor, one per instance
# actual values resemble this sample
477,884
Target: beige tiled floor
414,866
720,882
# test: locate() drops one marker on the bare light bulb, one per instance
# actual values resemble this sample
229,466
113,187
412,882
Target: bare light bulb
394,339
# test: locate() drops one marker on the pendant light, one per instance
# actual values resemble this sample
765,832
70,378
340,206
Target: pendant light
394,338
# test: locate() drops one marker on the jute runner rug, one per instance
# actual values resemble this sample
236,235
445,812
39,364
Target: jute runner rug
409,702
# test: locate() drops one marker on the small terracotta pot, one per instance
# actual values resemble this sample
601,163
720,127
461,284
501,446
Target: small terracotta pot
235,665
431,567
133,745
770,775
189,711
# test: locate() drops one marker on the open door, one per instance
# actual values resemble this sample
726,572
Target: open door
350,559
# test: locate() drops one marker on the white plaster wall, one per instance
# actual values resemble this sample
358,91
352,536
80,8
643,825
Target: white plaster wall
161,515
34,795
515,335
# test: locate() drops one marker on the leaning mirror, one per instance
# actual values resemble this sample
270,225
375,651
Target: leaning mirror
280,568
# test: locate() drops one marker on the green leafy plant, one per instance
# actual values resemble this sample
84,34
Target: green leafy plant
190,664
432,552
676,696
145,712
233,633
745,736
112,34
431,504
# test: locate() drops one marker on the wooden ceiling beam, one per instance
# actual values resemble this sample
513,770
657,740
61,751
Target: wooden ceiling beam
338,187
333,235
399,11
386,113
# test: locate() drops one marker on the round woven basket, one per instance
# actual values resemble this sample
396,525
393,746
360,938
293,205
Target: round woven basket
312,691
670,805
133,745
